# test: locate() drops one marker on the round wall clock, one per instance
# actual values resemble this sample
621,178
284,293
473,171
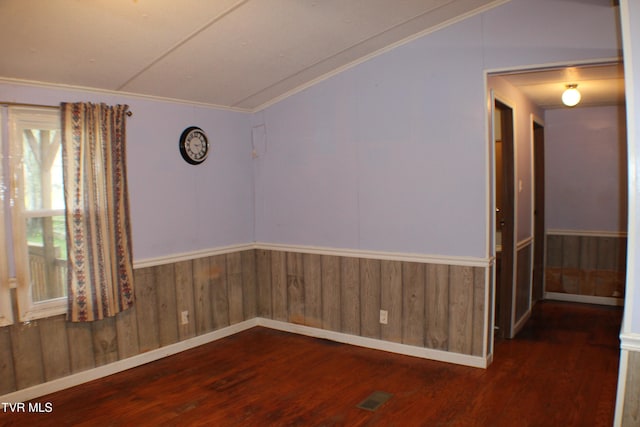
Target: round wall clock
194,145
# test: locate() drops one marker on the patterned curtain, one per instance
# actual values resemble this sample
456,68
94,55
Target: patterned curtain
100,271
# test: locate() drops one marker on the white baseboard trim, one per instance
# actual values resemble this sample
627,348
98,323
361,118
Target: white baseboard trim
586,233
587,299
153,355
124,364
375,344
630,341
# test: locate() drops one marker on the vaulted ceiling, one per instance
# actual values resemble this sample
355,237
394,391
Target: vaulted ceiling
232,53
240,54
599,84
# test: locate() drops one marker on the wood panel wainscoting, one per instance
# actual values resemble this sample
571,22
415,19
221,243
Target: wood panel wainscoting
561,370
523,286
217,291
434,306
631,402
435,311
586,266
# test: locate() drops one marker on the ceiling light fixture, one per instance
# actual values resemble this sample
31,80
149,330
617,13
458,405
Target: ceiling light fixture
571,96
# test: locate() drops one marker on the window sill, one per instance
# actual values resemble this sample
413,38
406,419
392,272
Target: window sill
44,309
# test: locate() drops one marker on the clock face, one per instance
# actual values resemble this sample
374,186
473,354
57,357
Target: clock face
194,145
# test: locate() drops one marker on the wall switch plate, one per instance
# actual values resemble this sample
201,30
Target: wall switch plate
184,317
384,317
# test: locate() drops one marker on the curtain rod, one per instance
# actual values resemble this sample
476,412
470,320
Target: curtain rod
129,113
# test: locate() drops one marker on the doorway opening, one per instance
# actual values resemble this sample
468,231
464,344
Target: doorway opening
560,249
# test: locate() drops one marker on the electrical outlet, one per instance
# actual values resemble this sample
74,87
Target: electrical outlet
185,317
384,317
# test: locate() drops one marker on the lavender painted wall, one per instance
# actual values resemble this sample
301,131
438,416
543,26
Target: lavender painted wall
392,154
525,32
175,207
389,155
362,160
586,173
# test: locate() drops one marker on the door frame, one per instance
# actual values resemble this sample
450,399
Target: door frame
539,230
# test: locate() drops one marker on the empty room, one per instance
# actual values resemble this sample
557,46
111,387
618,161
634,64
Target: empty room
319,212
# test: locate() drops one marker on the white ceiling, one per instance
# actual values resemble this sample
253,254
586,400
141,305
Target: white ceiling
601,84
241,54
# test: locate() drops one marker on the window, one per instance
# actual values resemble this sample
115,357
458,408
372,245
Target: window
37,227
6,316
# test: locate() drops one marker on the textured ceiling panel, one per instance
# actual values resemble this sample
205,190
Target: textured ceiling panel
598,85
249,51
99,43
241,54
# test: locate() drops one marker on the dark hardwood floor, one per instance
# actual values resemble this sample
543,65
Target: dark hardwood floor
561,370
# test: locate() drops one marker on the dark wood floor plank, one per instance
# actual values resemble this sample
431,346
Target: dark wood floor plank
561,370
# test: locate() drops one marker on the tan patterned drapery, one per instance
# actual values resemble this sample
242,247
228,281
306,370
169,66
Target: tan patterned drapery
100,270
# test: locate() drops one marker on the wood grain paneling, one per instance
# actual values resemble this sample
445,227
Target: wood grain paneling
589,252
479,311
27,354
571,251
554,251
350,295
184,299
81,346
586,265
413,303
391,299
427,304
523,282
279,286
219,291
53,348
312,290
263,278
631,413
249,292
295,287
202,277
436,306
146,309
461,309
105,341
235,288
331,284
370,298
165,282
127,333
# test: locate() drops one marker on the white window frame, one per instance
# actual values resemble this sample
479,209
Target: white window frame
43,119
6,309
